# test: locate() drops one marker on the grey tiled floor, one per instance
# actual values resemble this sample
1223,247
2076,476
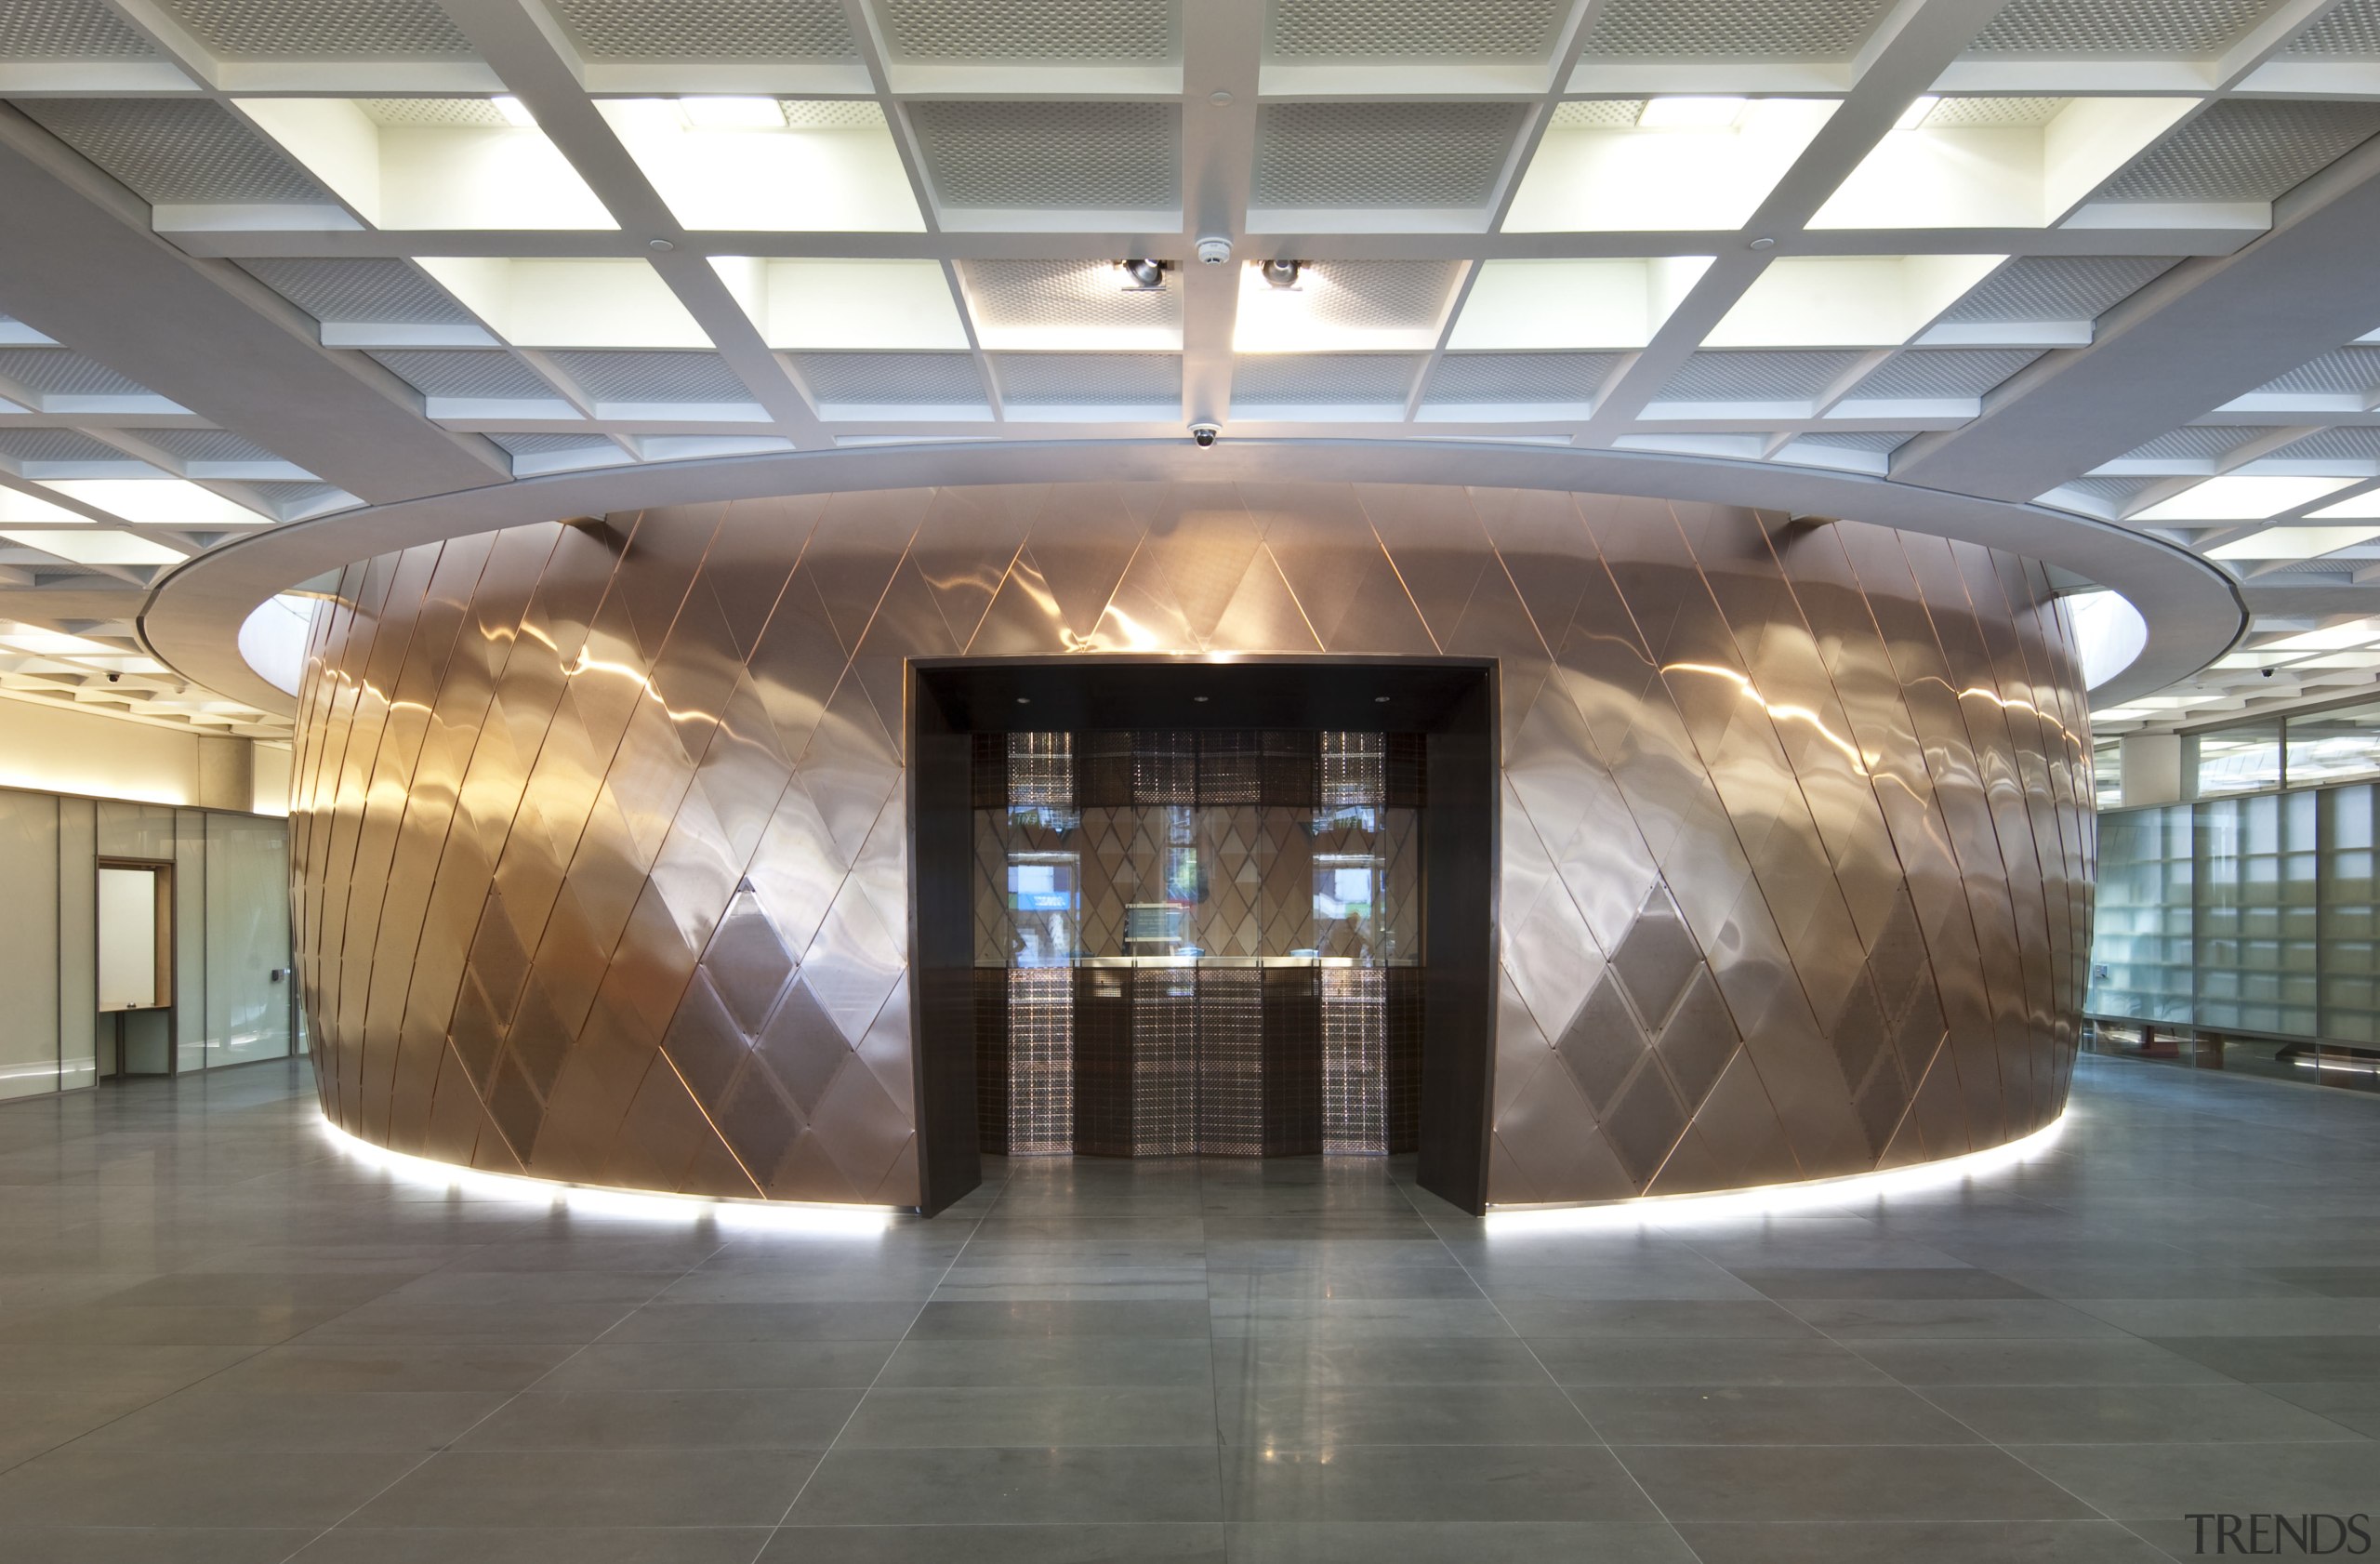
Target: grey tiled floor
223,1342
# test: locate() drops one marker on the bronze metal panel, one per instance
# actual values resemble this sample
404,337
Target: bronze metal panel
1797,842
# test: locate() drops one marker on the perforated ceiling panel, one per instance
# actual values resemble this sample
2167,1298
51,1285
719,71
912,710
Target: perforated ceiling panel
496,375
477,113
61,372
2245,151
2058,287
206,445
1861,440
1942,372
2198,442
382,292
2336,445
1519,377
2350,31
695,29
67,30
2162,28
22,446
891,379
1346,380
1052,154
1025,294
1597,113
2113,496
1380,294
652,377
2348,370
1052,379
1992,114
1005,30
1733,29
1382,154
291,501
547,444
1395,29
321,29
174,150
1758,376
827,114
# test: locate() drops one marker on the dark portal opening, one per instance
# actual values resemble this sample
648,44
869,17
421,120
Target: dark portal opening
1163,906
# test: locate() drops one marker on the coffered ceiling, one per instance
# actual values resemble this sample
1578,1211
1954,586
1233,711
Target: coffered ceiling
269,261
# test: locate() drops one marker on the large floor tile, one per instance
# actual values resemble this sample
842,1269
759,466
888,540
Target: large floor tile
1106,1416
1432,1483
1800,1414
775,1419
2133,1414
1841,1483
1012,1486
502,1488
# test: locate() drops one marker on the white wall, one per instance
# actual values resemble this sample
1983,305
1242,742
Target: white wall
59,750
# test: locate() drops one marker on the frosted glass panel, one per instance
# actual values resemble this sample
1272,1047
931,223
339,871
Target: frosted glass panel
193,1042
247,939
78,956
28,944
136,830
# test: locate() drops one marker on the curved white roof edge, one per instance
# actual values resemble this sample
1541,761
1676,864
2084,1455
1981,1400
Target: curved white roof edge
2190,611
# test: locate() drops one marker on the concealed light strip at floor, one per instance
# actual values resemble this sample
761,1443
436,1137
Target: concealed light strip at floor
581,1199
1771,1200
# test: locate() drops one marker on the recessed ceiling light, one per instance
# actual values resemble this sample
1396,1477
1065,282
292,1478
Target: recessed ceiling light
2240,498
514,110
2355,633
1689,113
733,113
2356,507
1914,115
2294,543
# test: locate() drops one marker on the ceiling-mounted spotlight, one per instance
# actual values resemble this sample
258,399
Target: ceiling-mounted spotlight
1282,273
1143,275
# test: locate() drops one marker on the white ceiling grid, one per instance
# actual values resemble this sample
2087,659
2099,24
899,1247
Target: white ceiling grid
392,180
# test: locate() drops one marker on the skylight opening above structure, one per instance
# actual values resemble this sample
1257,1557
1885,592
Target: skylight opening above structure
1534,305
1847,301
536,303
1997,161
846,305
169,502
1702,163
720,163
432,163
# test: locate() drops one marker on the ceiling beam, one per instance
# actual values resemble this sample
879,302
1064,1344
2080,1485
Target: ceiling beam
86,269
2206,332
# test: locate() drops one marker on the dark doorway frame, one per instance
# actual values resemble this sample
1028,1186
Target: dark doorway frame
1452,702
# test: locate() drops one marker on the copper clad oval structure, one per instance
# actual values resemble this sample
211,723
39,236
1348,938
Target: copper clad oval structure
1796,826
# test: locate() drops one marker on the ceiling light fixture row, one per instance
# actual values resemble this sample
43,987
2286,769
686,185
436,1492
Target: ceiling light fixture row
1147,274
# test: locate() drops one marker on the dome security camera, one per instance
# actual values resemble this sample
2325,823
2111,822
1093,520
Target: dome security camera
1206,434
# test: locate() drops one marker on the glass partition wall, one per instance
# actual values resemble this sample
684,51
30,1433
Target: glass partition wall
1201,942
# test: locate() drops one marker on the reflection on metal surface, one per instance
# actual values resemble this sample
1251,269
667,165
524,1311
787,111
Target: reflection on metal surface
600,838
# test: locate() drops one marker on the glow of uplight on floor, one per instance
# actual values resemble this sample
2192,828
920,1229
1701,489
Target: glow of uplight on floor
1772,1200
581,1199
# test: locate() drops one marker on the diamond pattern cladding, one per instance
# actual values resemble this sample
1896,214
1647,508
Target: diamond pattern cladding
1554,378
599,833
2351,29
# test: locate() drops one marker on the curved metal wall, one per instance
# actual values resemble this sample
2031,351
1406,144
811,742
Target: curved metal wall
599,831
